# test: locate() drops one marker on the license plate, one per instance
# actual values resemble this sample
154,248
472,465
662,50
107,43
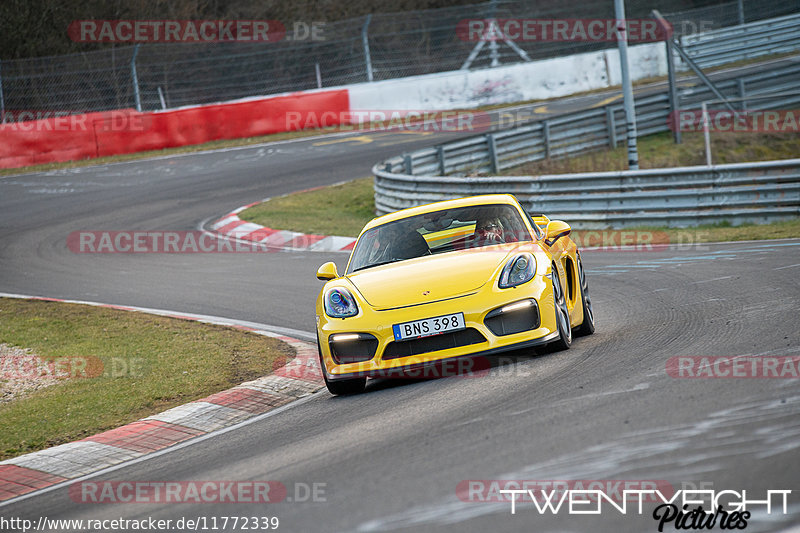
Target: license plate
428,326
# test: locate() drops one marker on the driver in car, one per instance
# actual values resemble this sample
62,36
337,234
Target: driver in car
488,231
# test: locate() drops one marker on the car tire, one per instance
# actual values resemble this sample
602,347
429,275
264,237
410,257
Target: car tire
564,340
340,387
587,327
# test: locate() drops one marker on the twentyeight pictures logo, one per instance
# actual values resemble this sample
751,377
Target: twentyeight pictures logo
681,509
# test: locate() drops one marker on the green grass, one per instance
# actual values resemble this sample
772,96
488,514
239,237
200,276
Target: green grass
345,209
336,210
723,232
174,361
659,151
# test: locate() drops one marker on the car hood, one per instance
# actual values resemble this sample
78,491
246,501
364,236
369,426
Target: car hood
429,279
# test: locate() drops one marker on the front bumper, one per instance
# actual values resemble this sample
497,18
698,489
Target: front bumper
476,306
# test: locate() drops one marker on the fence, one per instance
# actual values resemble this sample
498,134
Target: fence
674,197
383,46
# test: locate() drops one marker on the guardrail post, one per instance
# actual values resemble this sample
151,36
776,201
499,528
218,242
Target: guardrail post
494,165
441,157
706,133
627,87
742,93
674,97
2,101
365,42
546,138
611,124
408,164
135,79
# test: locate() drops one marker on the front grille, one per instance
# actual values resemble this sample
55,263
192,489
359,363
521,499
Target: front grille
454,339
355,350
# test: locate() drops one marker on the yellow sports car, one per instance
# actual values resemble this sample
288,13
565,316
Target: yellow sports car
468,277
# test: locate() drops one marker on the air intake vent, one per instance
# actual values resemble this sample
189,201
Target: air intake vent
454,339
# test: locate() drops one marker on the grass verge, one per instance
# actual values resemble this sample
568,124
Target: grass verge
723,232
659,151
138,365
345,209
336,210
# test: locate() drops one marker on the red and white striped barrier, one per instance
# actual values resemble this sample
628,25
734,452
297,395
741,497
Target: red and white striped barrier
232,226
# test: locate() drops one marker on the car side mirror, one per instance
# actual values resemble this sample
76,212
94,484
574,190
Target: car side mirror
555,230
327,271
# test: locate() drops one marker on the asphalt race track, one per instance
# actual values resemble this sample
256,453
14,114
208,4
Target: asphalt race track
392,458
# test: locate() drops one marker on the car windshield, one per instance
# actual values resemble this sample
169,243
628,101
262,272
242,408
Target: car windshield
438,232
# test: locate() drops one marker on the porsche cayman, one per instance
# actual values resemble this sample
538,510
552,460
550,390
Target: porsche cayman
461,278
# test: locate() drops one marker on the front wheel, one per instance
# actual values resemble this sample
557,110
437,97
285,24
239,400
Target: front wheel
564,340
587,328
340,387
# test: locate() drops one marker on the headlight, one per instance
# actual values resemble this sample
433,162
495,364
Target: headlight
518,271
339,303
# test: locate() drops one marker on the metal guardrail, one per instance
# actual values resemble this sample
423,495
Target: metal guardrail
737,43
675,197
751,192
587,130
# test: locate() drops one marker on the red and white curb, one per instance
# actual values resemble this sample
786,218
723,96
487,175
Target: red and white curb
299,378
231,226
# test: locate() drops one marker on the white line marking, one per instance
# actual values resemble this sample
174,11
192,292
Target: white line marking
714,279
787,266
635,388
